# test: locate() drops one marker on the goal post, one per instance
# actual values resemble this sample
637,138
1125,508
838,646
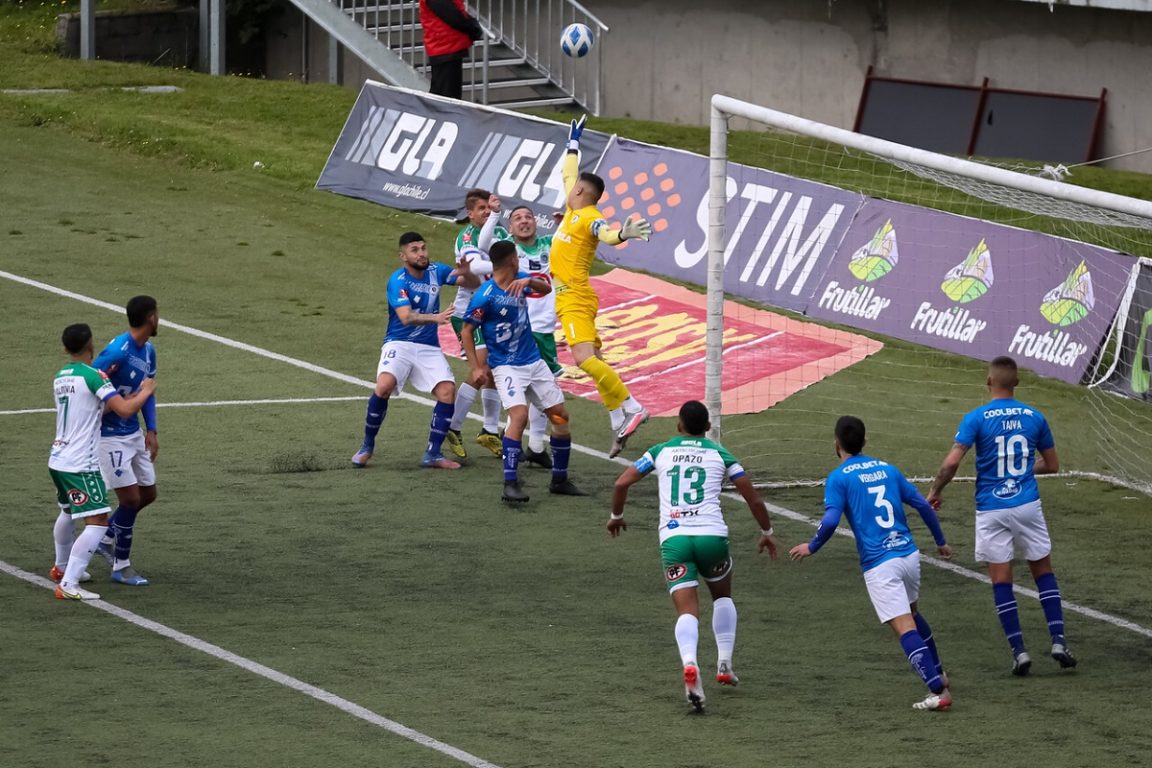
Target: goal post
1071,220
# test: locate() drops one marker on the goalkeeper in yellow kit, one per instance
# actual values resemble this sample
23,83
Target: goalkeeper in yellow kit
573,249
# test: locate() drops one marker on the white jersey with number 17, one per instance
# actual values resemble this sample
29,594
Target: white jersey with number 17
692,471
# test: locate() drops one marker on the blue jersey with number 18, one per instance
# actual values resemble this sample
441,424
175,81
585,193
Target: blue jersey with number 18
1006,434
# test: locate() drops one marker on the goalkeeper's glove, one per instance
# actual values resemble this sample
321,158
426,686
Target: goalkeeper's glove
575,131
635,229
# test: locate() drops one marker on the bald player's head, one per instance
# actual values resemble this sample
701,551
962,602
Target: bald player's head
1002,374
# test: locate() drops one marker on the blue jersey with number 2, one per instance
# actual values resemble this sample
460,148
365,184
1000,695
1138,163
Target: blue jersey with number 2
1006,434
127,364
503,318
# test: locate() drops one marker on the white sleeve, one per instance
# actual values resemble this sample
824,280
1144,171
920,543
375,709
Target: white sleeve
488,232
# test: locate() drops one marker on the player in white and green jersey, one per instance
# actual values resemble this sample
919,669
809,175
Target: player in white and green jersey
81,393
482,212
533,250
694,537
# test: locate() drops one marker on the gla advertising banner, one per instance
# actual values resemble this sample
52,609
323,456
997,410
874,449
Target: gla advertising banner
422,153
1131,375
974,288
782,231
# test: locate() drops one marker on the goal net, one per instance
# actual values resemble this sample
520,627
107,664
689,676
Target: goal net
947,263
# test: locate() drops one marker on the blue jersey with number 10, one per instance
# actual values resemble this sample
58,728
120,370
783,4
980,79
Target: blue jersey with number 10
1006,434
422,296
503,318
127,364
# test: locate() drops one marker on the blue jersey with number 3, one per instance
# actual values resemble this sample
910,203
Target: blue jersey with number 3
503,318
872,494
127,364
1006,434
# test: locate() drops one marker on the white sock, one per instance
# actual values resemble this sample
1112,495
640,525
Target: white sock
465,396
491,403
64,536
724,627
632,405
81,553
537,428
119,565
687,637
616,418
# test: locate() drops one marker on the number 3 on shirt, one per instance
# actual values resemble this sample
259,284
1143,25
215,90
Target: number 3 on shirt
695,477
889,518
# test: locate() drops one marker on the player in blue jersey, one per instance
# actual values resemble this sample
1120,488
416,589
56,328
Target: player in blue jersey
872,494
500,310
127,454
1007,435
411,350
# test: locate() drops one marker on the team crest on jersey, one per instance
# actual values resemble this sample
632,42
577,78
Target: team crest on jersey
77,497
403,293
674,572
478,313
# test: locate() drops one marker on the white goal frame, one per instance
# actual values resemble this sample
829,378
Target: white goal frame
724,108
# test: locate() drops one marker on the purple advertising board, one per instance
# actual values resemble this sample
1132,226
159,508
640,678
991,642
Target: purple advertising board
782,231
975,288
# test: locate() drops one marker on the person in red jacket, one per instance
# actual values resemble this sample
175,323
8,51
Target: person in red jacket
448,34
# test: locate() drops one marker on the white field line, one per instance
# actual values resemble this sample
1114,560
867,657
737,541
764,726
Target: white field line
773,508
211,404
267,673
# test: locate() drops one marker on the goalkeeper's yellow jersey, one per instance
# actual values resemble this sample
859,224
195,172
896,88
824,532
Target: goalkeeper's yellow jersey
574,247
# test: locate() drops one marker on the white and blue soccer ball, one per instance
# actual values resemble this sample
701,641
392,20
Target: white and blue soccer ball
576,40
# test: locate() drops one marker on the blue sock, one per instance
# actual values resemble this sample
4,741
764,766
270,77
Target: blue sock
921,660
512,451
122,522
377,410
441,418
561,451
1053,611
926,635
1009,617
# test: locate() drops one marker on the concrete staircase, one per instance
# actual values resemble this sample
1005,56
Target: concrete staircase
511,81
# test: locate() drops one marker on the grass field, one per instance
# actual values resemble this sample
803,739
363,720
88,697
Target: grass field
526,638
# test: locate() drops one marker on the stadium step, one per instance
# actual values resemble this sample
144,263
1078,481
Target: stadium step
513,81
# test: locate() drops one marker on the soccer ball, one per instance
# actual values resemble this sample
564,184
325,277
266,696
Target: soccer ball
576,40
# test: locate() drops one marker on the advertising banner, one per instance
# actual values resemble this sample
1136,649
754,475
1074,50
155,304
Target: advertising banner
782,231
421,153
975,288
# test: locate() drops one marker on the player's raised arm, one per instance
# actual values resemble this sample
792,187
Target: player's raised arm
570,170
488,231
464,275
527,284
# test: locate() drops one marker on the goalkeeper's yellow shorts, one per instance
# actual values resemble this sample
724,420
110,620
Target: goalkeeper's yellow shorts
577,314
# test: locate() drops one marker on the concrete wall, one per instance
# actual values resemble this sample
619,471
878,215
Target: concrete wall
165,36
664,59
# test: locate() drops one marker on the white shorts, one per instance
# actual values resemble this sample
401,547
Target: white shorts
521,384
999,532
894,585
124,461
423,364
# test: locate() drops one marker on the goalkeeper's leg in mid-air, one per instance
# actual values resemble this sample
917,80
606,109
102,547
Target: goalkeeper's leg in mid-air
582,229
